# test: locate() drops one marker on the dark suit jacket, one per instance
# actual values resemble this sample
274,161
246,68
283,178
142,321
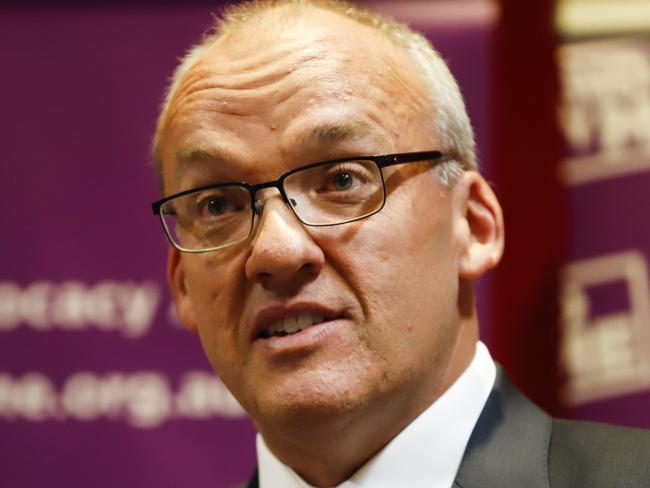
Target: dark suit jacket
515,444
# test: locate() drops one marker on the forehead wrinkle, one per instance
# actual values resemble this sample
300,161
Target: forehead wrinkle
222,69
205,90
258,70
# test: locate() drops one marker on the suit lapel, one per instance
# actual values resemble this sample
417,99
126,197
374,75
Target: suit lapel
509,444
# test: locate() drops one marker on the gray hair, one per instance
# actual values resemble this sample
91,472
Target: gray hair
455,133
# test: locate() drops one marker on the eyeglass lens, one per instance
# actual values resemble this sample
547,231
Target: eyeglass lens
326,194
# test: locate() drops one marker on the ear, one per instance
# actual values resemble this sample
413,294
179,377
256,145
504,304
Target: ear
479,226
178,287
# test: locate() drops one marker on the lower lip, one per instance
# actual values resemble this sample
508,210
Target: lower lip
306,339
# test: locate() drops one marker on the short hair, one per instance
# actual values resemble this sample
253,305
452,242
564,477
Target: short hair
455,133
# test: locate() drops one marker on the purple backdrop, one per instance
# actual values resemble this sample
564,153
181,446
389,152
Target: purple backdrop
99,386
605,118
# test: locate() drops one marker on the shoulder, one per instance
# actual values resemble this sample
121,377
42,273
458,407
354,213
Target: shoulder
514,443
598,455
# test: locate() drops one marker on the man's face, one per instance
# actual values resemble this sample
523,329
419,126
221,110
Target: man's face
382,290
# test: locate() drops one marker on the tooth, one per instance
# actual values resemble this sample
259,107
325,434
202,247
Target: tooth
304,321
290,325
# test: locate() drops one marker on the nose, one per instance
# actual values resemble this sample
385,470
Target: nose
284,256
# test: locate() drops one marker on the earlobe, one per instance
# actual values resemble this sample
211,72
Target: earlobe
178,287
481,229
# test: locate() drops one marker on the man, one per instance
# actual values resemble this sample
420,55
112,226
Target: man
333,290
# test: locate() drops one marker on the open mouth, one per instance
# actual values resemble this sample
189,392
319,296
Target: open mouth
292,325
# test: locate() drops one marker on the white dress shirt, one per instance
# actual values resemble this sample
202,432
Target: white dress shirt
427,453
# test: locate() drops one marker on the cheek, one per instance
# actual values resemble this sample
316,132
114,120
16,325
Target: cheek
215,290
409,242
402,266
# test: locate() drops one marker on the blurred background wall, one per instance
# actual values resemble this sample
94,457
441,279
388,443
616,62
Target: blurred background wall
100,384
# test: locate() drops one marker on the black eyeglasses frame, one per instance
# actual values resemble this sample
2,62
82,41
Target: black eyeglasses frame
382,161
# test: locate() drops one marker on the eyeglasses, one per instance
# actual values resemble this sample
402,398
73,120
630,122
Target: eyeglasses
332,192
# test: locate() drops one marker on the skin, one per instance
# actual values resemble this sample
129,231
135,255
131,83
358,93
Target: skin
285,92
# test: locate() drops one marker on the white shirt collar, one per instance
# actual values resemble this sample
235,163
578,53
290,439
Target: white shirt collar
427,452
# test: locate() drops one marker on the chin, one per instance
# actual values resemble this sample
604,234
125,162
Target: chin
296,404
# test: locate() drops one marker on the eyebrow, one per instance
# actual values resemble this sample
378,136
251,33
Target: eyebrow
328,132
323,133
195,158
189,157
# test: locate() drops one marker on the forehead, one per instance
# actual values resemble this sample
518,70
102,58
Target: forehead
302,75
295,37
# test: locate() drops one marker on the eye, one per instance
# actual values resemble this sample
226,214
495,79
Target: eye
342,180
350,176
217,205
222,203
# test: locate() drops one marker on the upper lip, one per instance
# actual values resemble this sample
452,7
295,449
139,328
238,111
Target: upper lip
270,314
